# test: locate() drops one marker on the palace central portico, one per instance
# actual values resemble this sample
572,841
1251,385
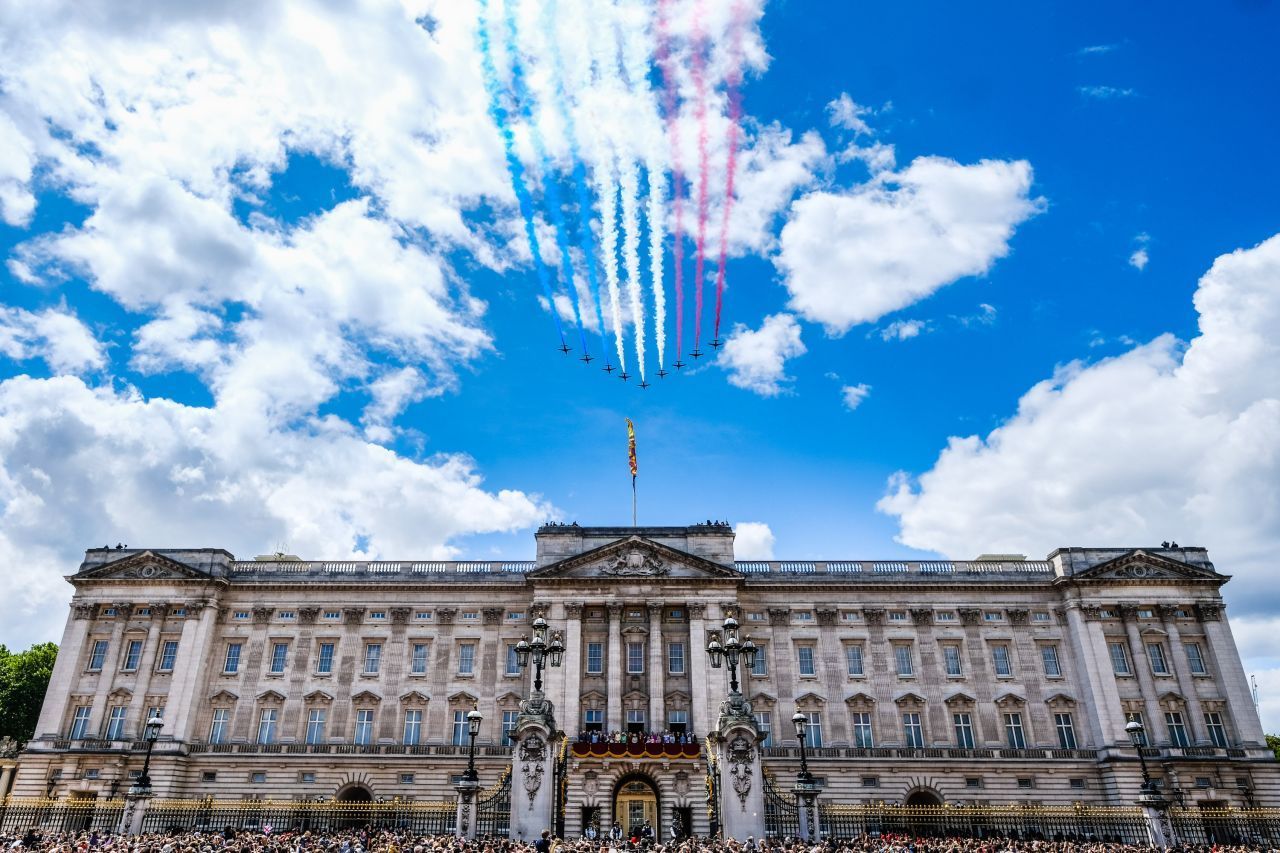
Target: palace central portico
995,680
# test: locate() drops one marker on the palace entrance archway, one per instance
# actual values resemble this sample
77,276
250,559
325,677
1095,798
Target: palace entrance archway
924,797
635,804
355,801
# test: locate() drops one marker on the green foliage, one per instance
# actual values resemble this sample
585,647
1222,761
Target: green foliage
1273,741
24,677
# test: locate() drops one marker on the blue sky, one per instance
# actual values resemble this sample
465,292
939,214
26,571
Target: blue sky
269,289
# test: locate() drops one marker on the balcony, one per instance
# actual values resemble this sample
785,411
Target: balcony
933,753
437,749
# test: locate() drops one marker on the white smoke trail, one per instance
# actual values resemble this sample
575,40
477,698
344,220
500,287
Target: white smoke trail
631,251
648,129
607,190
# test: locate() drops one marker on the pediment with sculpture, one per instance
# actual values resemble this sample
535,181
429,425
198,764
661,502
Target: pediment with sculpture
634,557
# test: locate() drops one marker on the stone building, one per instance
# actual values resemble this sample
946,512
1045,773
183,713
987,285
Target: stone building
1000,680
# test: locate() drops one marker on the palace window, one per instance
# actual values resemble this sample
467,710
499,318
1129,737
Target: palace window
218,725
1146,614
992,616
1195,658
851,616
515,615
1049,657
1000,660
897,616
108,611
945,616
804,655
231,663
962,722
678,721
813,729
902,660
377,615
675,658
1040,616
1066,731
804,616
168,655
372,658
635,720
1177,728
509,724
267,725
80,723
1013,732
760,669
115,723
364,727
1119,659
467,659
132,655
1155,653
307,778
593,720
324,659
863,734
406,778
755,616
635,658
951,660
853,660
98,656
178,612
595,658
422,615
279,656
418,663
764,722
459,737
285,615
240,615
412,727
912,731
470,615
259,777
513,660
333,614
315,725
1217,731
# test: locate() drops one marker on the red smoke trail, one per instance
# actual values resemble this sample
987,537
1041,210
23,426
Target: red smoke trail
700,87
731,165
677,177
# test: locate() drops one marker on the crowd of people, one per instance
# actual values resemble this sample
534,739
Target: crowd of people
390,841
636,737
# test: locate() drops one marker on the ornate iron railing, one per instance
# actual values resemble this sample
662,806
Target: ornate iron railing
1252,827
559,773
493,807
1059,823
781,810
324,816
18,814
713,789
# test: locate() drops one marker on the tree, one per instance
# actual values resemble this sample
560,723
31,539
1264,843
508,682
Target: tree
1273,741
24,678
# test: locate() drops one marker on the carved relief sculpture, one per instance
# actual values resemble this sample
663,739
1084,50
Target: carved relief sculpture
533,755
741,758
635,562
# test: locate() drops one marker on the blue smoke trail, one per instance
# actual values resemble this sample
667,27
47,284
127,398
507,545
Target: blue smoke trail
585,235
499,115
549,185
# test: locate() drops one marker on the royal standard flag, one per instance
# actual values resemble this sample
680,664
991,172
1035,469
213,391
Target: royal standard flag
631,446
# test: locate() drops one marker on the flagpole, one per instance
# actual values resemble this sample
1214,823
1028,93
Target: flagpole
633,500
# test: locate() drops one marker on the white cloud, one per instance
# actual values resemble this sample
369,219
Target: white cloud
853,257
83,466
1138,259
1097,49
54,335
1164,441
902,330
757,359
846,113
1105,93
853,395
753,540
17,161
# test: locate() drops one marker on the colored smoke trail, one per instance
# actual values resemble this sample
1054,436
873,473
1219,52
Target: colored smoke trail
677,179
631,252
549,184
700,90
731,163
516,169
657,236
585,236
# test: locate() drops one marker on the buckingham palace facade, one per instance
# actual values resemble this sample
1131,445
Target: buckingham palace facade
997,680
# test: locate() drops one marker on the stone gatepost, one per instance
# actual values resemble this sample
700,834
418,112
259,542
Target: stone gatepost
136,801
465,820
741,780
807,811
1155,810
533,769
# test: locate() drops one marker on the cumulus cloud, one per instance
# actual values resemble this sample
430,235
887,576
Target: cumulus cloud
83,466
1168,440
852,257
846,113
853,395
1138,260
55,335
757,358
902,330
753,540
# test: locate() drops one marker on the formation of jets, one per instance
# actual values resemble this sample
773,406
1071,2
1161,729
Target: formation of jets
586,358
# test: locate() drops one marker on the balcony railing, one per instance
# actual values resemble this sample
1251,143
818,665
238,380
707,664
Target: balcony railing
344,749
931,752
880,568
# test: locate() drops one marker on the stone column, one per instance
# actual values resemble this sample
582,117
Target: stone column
615,675
146,666
657,669
135,809
1094,675
1186,682
574,656
111,666
1229,672
195,655
6,777
532,776
741,782
65,668
701,719
465,819
1155,811
1142,671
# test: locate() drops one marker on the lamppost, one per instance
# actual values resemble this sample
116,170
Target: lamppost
474,718
730,652
541,652
150,733
1137,736
806,789
1153,804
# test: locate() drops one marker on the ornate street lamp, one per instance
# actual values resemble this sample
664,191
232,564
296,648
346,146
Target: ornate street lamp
474,718
806,789
1137,736
732,652
150,734
539,651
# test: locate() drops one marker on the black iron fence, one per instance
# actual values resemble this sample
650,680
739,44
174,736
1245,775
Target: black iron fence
1258,827
18,814
280,815
1063,823
493,807
781,810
